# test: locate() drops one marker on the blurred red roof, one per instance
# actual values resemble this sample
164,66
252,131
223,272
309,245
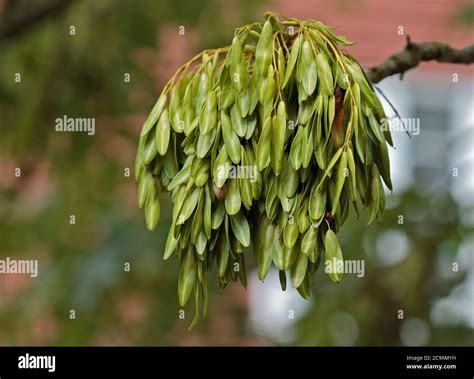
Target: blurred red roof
374,24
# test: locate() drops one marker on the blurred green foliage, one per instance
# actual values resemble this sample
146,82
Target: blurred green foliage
82,266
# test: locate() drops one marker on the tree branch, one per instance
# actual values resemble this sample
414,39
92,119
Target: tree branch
414,53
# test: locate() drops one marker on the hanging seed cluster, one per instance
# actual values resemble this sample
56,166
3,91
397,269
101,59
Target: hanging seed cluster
264,145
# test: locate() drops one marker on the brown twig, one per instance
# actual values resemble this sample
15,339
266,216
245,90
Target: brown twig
414,53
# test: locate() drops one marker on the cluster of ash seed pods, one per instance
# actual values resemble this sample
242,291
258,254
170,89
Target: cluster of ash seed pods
278,133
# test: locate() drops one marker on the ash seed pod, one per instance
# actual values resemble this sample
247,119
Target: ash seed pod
202,92
303,219
325,74
208,119
240,106
281,65
154,114
187,277
152,212
269,92
291,178
290,235
150,151
232,198
231,141
218,216
189,205
201,172
144,184
204,144
294,53
340,179
306,147
239,124
296,149
241,229
334,259
317,206
171,243
305,288
264,145
308,68
220,170
162,134
278,138
298,270
278,249
263,51
264,248
374,199
309,241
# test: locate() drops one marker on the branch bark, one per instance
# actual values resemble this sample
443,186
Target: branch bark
414,53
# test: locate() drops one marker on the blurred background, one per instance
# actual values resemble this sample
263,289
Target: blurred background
109,60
